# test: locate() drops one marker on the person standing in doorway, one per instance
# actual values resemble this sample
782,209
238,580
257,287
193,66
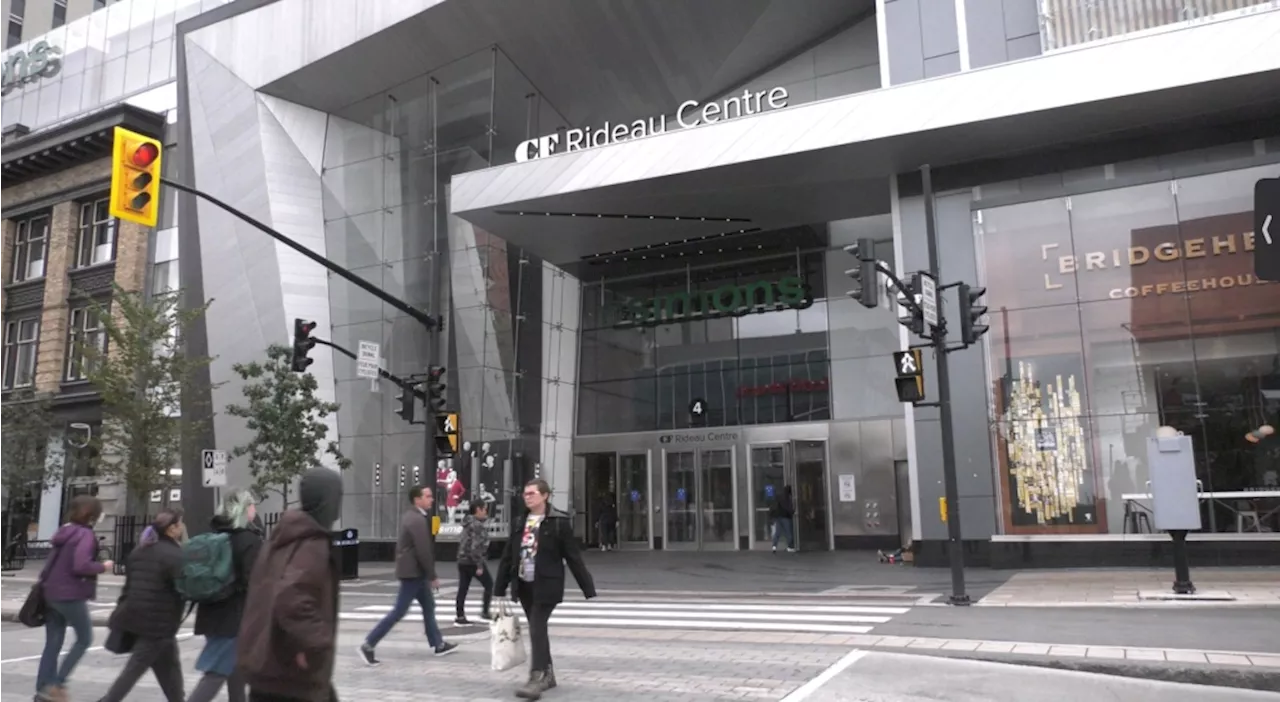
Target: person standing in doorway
150,610
70,580
219,621
416,570
533,563
784,514
289,631
472,551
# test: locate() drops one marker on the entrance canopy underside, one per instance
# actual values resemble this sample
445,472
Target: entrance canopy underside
832,159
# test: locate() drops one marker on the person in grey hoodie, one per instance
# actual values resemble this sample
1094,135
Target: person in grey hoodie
472,549
70,580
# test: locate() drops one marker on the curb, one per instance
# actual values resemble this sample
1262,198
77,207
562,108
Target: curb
1187,673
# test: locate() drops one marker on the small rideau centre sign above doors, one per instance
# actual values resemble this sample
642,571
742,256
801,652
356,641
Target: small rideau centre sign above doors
691,113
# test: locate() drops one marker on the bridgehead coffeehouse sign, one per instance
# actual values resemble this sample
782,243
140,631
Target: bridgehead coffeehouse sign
1186,251
23,67
690,114
731,300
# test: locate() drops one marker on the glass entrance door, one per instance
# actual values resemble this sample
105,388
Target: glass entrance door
698,499
633,500
802,466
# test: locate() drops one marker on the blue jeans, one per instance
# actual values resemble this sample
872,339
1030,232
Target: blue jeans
410,590
58,616
781,526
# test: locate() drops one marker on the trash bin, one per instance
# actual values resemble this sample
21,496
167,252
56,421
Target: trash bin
347,544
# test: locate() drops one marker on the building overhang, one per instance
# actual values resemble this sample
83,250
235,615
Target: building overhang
48,151
833,159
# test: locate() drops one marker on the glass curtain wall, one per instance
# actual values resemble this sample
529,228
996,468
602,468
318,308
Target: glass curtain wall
388,163
1113,313
109,55
748,338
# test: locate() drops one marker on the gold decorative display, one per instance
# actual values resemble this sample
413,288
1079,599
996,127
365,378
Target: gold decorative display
1045,439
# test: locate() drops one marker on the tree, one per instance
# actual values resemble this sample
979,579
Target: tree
26,424
139,366
287,421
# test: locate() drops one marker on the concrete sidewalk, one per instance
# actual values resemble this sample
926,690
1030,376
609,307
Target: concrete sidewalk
1137,587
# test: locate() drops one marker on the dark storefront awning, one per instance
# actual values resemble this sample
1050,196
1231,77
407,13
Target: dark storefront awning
832,159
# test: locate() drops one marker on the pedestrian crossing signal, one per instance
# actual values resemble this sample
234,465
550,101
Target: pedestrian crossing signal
135,178
909,368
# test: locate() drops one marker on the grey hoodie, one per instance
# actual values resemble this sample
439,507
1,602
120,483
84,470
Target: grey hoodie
475,542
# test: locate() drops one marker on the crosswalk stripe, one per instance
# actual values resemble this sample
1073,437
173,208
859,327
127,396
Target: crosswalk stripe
557,620
624,612
577,607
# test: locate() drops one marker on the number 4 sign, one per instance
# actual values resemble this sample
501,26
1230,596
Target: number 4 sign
698,407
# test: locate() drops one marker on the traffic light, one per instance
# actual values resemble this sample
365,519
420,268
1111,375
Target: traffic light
909,371
405,402
865,290
302,345
446,434
971,313
437,390
909,313
135,178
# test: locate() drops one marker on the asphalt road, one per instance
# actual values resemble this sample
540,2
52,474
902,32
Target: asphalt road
891,677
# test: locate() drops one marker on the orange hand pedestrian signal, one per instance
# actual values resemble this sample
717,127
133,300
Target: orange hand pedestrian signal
135,177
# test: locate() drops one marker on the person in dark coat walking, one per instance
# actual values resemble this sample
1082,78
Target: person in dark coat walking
784,519
70,578
416,571
151,610
540,546
473,549
289,630
219,621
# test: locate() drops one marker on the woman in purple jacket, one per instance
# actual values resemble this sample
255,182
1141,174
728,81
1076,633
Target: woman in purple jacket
70,580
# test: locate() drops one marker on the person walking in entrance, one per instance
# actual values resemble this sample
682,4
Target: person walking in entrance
219,620
540,545
472,551
784,519
289,632
416,570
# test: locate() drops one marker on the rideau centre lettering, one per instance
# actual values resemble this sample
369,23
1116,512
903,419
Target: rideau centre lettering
1165,252
690,114
730,300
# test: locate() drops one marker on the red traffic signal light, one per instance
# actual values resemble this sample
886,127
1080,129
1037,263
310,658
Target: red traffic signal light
144,155
302,345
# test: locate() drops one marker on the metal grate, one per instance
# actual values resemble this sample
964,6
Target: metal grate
1065,23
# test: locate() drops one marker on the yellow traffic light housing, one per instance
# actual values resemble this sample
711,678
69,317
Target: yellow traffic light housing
135,177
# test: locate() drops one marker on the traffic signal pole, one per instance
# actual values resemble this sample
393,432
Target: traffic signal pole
950,480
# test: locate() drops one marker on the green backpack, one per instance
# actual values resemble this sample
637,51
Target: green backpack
208,571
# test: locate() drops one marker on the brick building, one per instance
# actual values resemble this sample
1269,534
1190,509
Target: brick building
62,252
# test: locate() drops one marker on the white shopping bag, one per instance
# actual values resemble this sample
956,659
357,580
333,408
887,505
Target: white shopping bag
505,642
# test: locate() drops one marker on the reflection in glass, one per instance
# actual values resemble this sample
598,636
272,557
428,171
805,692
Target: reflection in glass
633,498
681,486
768,475
716,496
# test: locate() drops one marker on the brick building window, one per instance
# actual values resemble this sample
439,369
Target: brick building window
30,246
85,330
20,339
96,242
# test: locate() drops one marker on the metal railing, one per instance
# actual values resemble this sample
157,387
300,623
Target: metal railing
1065,23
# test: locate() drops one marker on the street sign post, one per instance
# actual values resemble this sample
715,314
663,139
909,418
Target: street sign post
367,360
213,465
929,299
1266,229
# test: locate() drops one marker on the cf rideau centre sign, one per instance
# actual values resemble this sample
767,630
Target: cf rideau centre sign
690,114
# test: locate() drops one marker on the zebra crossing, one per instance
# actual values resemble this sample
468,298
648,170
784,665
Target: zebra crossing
846,616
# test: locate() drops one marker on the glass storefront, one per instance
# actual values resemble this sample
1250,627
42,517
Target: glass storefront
1113,313
750,339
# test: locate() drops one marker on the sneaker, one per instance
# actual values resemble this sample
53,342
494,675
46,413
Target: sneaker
462,621
775,549
366,655
446,648
791,550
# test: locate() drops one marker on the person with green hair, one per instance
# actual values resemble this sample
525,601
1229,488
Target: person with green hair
219,621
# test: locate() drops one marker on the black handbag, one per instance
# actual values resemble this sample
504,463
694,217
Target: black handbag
119,641
35,608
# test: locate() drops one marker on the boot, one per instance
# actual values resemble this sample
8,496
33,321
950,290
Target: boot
533,689
550,678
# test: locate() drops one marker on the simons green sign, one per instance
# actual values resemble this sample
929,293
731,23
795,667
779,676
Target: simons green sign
725,301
